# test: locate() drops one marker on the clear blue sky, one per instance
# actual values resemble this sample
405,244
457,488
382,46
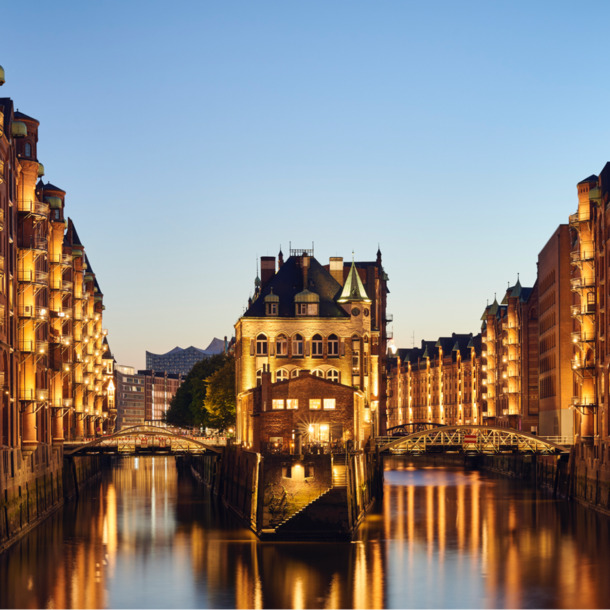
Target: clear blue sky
193,137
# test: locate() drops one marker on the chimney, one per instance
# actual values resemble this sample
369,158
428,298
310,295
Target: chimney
336,268
305,263
267,268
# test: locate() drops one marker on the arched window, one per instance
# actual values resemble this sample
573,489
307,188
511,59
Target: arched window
281,375
333,345
297,346
318,373
316,346
259,377
281,345
295,373
261,345
333,375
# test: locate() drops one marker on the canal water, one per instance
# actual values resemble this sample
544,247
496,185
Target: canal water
146,537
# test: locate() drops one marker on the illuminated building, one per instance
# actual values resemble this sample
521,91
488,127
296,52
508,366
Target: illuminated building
439,382
180,361
51,338
510,360
310,353
589,263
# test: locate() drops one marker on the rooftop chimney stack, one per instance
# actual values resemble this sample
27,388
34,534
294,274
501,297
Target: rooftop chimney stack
336,268
267,268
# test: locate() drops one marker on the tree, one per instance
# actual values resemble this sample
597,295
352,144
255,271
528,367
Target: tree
186,408
220,396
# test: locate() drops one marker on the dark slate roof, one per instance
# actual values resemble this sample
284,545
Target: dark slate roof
591,178
107,353
51,187
21,116
72,238
288,282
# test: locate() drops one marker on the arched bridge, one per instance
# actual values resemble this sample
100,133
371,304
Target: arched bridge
143,440
411,427
470,440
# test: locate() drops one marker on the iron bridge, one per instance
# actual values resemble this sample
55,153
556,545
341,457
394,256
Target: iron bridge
470,440
143,440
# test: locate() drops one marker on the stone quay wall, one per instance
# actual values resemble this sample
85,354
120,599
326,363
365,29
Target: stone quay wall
33,486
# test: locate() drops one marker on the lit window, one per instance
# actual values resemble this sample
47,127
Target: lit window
281,345
292,403
316,346
281,375
329,403
333,345
333,375
261,345
297,345
277,403
318,373
315,403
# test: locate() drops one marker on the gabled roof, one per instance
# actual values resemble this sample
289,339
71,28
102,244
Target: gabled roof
589,179
72,238
51,187
353,289
21,116
288,282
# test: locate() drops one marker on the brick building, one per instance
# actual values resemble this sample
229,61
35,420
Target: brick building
327,324
56,382
439,382
510,360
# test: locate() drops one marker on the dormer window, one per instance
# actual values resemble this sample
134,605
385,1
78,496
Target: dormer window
272,302
271,309
301,309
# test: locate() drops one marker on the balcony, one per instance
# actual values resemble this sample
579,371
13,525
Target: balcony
576,219
388,318
582,256
579,283
582,401
581,336
37,208
38,244
66,286
65,313
33,276
30,311
29,394
580,365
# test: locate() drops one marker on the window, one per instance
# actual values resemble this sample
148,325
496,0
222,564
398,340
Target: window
261,345
259,377
316,346
329,403
295,373
301,309
281,375
297,346
28,149
281,345
318,373
292,403
277,403
315,403
271,309
333,345
333,375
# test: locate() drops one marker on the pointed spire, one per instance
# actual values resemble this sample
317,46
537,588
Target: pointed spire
353,289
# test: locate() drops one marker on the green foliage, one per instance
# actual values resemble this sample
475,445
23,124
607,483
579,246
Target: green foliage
187,406
220,398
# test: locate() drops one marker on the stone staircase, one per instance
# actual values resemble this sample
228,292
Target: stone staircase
339,475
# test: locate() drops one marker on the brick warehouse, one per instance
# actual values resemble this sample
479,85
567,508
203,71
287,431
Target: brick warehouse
311,352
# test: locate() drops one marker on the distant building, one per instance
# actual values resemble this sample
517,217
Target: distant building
143,397
180,361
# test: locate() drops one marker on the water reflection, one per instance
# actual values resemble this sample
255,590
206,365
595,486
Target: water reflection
443,538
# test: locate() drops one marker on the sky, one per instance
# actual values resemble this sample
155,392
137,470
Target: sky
194,137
